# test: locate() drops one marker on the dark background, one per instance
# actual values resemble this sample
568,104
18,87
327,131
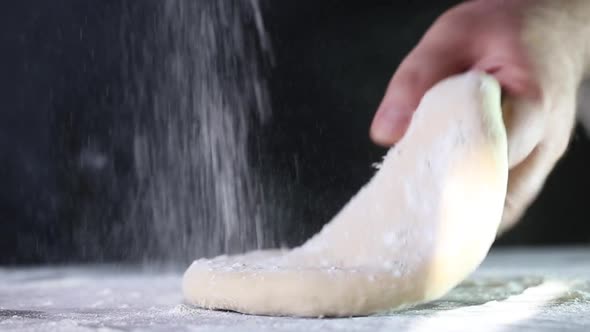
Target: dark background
61,87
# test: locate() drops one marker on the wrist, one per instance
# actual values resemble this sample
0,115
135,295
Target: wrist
562,28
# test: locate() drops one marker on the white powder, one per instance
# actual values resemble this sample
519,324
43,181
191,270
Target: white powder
197,95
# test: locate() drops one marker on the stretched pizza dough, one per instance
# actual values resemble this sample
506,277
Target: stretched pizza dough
422,224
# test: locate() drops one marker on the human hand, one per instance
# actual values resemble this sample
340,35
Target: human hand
535,50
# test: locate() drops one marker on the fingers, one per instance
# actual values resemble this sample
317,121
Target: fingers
525,181
417,73
527,178
454,44
424,68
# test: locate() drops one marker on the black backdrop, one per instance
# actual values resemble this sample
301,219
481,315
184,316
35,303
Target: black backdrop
62,77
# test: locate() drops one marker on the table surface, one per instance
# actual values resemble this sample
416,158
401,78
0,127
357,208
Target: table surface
514,290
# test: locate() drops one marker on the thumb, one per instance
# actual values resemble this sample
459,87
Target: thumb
419,71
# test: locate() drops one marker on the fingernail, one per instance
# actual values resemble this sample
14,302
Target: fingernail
388,127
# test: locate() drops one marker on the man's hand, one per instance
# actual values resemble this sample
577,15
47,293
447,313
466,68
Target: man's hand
480,35
536,49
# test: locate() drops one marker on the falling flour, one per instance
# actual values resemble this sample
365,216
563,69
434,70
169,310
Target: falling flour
199,90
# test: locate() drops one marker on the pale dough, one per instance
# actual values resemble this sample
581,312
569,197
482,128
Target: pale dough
422,224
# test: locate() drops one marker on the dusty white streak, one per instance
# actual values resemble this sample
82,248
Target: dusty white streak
494,316
199,194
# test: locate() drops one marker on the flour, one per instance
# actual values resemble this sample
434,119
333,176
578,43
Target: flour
199,91
504,274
